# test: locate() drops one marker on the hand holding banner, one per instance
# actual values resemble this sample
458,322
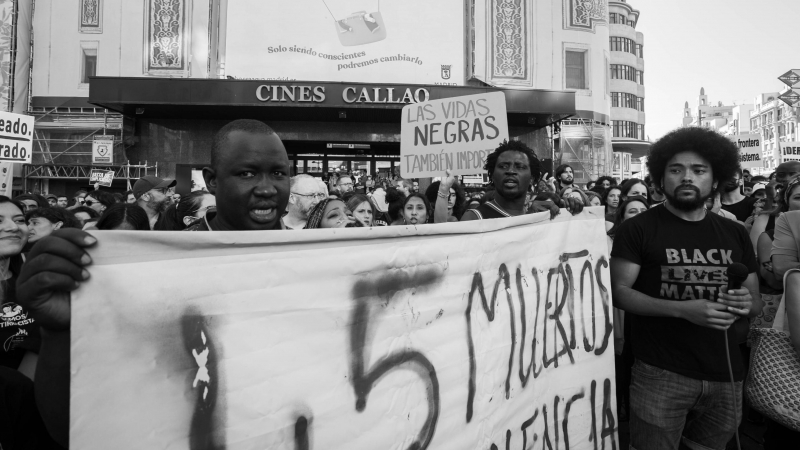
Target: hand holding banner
484,334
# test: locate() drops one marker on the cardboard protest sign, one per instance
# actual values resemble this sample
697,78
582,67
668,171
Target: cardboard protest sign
790,151
749,150
455,134
16,137
103,150
484,334
102,177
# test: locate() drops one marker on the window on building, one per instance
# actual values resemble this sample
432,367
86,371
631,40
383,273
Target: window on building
640,50
89,65
88,60
575,69
624,128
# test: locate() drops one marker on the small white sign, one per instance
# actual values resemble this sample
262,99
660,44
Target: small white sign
455,134
16,137
749,150
102,177
790,151
103,150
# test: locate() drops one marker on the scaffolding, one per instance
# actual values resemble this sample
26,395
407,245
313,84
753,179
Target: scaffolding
585,145
62,146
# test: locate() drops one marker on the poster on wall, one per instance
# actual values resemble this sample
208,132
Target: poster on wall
367,41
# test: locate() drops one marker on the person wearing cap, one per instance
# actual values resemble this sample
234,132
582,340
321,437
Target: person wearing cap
52,200
153,194
759,191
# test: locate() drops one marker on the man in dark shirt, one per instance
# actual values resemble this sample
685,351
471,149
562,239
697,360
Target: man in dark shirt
668,272
249,174
734,201
513,168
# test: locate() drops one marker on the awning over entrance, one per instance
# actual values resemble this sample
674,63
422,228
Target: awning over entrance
305,100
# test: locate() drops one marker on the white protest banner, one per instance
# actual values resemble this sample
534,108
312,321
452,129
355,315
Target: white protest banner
102,177
16,137
749,150
455,134
790,151
103,150
454,336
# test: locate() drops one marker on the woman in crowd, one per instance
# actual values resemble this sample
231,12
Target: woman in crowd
85,215
124,216
329,213
790,201
606,182
395,200
785,260
632,188
611,200
190,208
594,198
623,358
43,221
456,201
364,212
416,210
765,221
13,237
630,207
99,201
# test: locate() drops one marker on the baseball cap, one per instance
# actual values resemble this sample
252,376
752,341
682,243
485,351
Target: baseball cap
149,182
49,196
758,187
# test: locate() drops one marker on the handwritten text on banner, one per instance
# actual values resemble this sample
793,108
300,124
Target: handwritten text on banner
455,134
487,334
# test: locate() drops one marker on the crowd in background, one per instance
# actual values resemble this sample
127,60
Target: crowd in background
517,187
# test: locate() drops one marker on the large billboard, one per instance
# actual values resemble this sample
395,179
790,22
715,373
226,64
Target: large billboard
370,41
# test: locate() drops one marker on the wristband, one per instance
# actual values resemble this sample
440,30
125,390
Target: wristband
441,194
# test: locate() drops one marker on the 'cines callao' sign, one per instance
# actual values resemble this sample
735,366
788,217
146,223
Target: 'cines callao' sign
400,95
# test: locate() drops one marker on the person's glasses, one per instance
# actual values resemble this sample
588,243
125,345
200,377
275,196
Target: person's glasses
318,196
89,202
346,184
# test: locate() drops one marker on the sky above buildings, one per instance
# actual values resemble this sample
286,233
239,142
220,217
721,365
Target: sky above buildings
735,49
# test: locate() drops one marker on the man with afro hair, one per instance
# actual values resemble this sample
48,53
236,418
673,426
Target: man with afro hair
668,272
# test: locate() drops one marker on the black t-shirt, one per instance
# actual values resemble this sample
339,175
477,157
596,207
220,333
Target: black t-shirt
683,260
18,333
742,209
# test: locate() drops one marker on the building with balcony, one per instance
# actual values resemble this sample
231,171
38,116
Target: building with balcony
627,87
776,122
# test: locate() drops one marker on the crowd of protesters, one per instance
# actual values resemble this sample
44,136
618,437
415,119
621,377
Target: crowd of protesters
667,352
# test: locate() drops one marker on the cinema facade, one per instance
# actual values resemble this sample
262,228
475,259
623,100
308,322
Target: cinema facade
162,77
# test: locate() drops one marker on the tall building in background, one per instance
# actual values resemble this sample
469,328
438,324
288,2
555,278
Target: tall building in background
776,122
629,140
160,77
